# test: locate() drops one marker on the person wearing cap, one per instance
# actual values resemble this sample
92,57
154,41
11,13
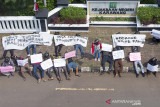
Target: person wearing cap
136,63
79,46
96,49
153,63
26,66
8,62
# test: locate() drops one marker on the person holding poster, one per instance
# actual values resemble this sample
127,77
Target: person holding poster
59,69
152,66
138,62
79,46
46,56
106,57
96,49
24,65
36,66
33,47
58,47
8,62
118,63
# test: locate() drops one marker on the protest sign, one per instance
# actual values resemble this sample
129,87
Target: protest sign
136,56
70,54
156,33
128,40
106,47
70,40
152,68
47,64
20,42
118,54
22,62
6,69
36,58
59,62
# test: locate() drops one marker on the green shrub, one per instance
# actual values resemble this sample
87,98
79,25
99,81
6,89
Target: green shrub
148,14
73,13
148,1
50,4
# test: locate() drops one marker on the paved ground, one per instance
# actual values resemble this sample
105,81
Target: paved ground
104,35
81,91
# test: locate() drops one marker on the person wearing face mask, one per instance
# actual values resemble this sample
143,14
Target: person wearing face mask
8,62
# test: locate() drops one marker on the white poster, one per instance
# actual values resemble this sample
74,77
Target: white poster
20,42
128,40
70,40
36,58
118,54
22,62
156,33
106,47
59,62
47,64
152,68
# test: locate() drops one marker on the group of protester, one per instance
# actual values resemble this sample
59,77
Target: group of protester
96,50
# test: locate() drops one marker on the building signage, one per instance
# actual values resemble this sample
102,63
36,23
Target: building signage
112,8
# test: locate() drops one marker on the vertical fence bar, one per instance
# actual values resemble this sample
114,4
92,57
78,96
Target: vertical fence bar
39,23
24,25
32,27
15,23
12,27
4,25
19,24
28,26
0,25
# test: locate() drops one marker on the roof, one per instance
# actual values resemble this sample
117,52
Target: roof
41,13
62,2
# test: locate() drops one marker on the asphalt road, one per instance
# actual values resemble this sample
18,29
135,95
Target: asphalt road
89,90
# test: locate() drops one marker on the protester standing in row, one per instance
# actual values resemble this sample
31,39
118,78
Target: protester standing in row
96,49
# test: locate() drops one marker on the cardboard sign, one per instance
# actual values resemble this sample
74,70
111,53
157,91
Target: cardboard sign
152,68
70,54
70,40
36,58
47,64
22,62
128,40
136,56
6,69
118,54
20,42
106,47
59,62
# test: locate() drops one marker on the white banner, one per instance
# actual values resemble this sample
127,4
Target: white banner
22,62
152,68
70,40
106,47
128,40
20,42
59,62
36,58
47,64
118,54
156,33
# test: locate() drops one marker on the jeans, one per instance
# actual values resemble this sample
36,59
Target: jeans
78,46
58,70
35,67
107,59
72,65
33,46
11,52
95,54
136,67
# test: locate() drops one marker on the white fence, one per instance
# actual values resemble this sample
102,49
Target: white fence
19,24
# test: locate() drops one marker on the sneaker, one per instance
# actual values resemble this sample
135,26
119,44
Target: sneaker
143,74
102,72
137,75
28,55
50,79
98,59
95,59
39,80
44,80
